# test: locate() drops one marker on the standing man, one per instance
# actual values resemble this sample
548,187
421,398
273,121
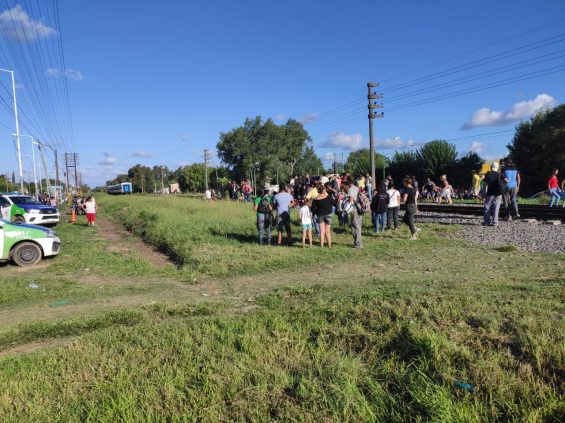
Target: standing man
282,202
553,187
476,184
511,178
492,197
264,211
355,222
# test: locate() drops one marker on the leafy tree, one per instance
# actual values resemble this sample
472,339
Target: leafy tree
7,185
461,173
538,147
142,178
309,162
192,178
359,162
436,158
118,180
273,149
405,163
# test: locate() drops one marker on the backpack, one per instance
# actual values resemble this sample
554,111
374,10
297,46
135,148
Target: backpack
264,205
363,204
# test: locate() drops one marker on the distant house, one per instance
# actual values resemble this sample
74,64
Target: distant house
174,189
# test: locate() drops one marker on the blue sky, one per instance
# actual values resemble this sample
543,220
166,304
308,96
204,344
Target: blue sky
158,81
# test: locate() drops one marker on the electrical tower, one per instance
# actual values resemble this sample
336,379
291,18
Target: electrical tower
207,158
373,95
71,162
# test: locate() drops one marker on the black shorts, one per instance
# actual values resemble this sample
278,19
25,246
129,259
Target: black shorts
283,222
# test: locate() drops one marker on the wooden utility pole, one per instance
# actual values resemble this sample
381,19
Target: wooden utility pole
372,95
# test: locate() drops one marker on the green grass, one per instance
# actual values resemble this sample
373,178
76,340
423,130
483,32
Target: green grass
389,333
220,239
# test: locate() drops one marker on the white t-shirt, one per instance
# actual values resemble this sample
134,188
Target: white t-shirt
324,180
90,207
394,198
305,215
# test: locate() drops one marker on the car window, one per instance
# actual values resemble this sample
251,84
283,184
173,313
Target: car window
4,202
25,201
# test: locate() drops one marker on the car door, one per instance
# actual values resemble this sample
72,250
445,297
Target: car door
5,207
2,241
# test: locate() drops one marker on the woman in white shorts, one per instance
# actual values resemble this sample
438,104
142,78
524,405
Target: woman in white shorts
446,190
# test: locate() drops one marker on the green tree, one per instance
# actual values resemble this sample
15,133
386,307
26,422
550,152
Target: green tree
405,163
461,173
309,162
436,158
538,147
192,178
359,163
142,178
273,149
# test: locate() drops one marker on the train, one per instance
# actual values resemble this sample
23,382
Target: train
120,189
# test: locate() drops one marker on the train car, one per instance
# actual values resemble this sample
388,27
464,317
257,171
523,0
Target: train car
120,189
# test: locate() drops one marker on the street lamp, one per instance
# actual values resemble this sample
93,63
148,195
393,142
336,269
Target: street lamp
17,127
33,142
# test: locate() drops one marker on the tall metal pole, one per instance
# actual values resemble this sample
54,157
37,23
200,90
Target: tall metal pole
372,96
17,128
39,171
47,181
34,174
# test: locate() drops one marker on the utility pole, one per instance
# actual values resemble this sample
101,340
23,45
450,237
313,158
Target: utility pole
66,174
372,95
162,185
75,164
48,182
207,157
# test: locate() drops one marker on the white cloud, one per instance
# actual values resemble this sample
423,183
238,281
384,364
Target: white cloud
521,110
16,24
329,156
73,74
108,160
279,117
344,141
143,154
308,118
477,147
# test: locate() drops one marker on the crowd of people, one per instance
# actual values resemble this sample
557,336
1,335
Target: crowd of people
319,201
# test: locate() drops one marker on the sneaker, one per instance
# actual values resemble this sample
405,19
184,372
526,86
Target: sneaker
418,230
517,216
413,238
509,219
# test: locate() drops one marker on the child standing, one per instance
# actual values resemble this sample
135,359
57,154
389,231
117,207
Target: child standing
306,221
90,210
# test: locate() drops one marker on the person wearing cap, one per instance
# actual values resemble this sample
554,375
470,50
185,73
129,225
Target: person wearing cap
493,196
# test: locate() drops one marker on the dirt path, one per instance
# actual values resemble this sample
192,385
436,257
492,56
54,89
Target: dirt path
123,242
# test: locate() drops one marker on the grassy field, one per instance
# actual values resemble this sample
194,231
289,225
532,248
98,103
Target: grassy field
433,330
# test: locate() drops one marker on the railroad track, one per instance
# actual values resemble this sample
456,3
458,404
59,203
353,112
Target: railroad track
526,211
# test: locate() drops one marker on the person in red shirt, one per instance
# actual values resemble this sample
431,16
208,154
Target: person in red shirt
553,186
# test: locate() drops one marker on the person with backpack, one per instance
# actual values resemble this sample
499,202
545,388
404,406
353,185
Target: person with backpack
264,210
379,207
356,212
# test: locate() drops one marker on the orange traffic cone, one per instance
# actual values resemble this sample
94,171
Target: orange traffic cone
73,215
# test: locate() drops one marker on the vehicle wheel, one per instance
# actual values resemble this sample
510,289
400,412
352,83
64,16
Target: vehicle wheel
26,254
19,220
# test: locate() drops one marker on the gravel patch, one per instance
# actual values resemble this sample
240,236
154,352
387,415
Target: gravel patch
538,236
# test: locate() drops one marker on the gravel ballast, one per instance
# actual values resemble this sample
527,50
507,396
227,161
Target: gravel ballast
525,235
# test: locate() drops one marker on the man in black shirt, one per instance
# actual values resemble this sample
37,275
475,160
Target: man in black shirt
493,196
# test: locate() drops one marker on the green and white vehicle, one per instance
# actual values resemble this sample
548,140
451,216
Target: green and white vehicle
26,244
25,209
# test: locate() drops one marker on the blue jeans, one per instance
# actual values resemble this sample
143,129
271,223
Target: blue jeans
370,192
380,219
555,197
316,225
491,209
247,198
